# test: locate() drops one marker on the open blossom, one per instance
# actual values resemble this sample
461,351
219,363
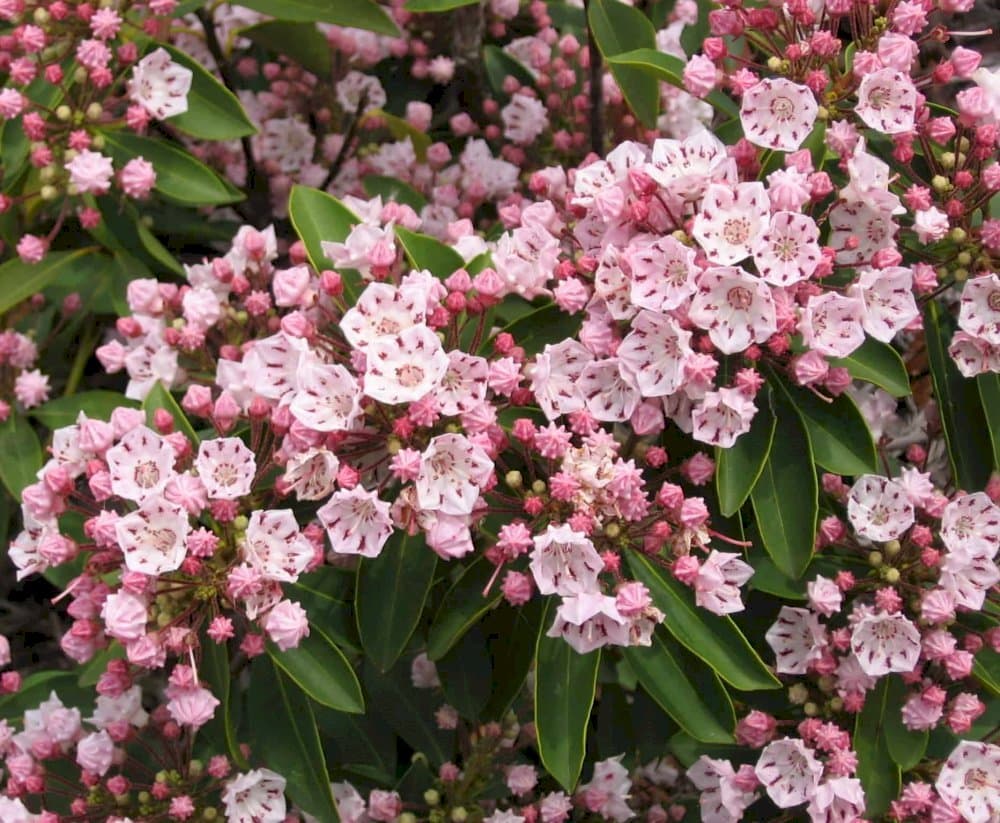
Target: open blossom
255,797
357,522
789,772
654,352
887,301
969,781
797,638
524,118
731,221
723,798
453,470
140,465
878,508
160,85
722,416
588,621
717,586
226,467
554,377
885,643
778,114
788,251
608,790
275,547
971,524
979,311
735,307
152,537
832,324
887,101
328,397
662,271
837,799
564,561
406,367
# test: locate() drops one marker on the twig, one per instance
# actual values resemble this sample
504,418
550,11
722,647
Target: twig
342,154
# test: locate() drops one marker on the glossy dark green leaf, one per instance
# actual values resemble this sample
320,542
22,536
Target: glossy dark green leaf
466,674
19,280
989,393
786,496
287,737
715,640
670,69
392,189
462,607
216,673
538,327
214,112
738,467
618,29
22,454
302,42
959,404
179,176
840,438
986,669
358,14
426,252
877,363
97,404
320,669
684,687
317,216
512,657
160,398
327,603
435,6
389,600
565,682
906,747
879,774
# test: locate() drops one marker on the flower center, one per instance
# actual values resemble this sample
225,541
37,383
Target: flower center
736,230
782,108
146,474
739,297
410,375
993,301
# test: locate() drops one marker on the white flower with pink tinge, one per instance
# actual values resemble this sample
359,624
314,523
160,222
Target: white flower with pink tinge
453,471
609,392
722,800
355,252
464,384
879,508
735,307
525,259
797,638
979,311
406,367
887,301
328,397
971,523
778,114
312,474
731,221
722,416
788,251
973,355
382,310
271,365
717,586
887,101
160,85
789,772
152,537
837,799
357,522
588,621
654,352
885,643
140,465
554,377
226,467
275,547
564,561
970,781
858,230
832,324
662,271
607,792
968,577
685,168
255,797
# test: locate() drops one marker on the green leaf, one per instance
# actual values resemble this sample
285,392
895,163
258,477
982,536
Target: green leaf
986,669
959,405
160,398
18,280
532,331
302,42
499,65
425,252
906,747
617,29
318,216
179,177
786,497
214,112
22,454
358,14
326,608
215,670
879,774
878,363
97,404
684,687
738,467
565,682
433,6
670,69
288,738
989,394
462,607
390,595
402,130
407,710
467,675
714,639
320,669
840,438
390,188
512,657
